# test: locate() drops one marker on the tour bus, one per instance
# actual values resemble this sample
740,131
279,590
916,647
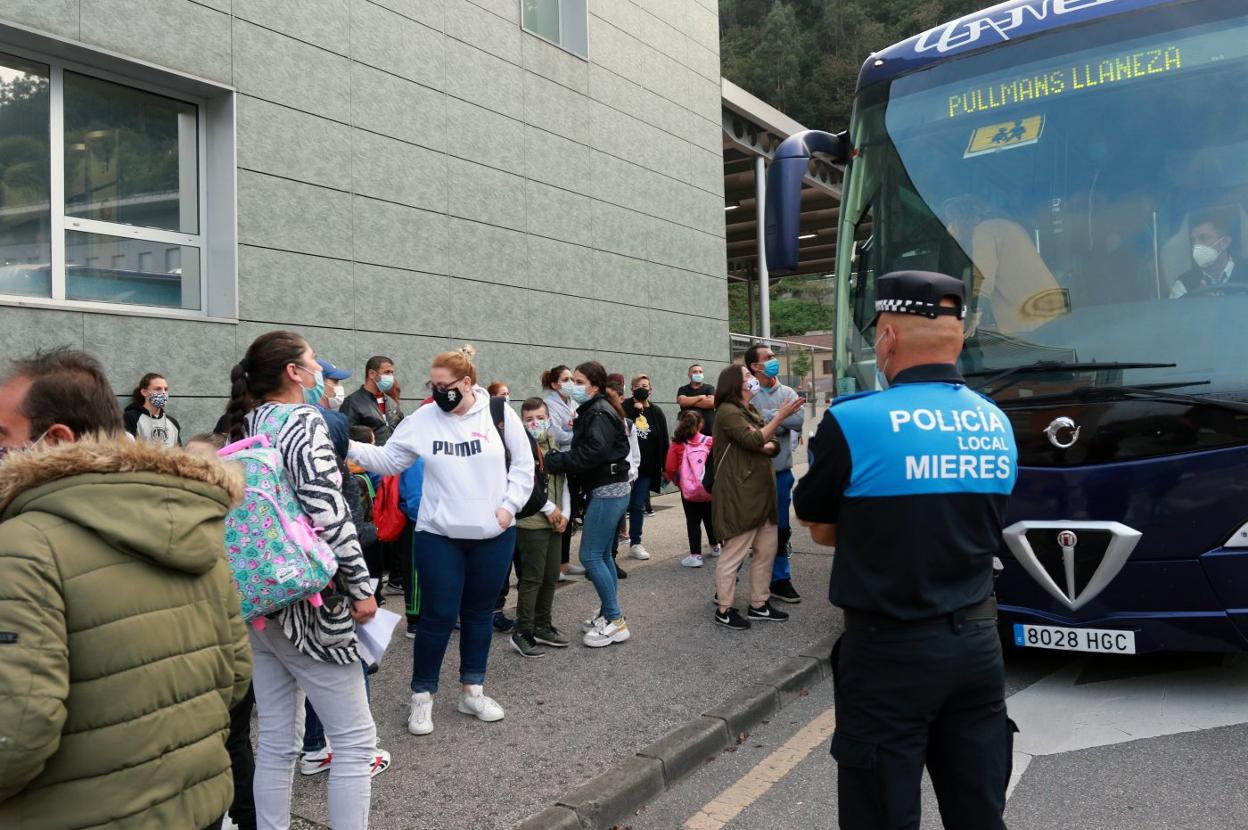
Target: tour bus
1082,165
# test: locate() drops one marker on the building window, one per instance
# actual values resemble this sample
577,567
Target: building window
564,23
827,367
101,191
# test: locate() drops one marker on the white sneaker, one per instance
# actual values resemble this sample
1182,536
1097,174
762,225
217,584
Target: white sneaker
575,570
638,552
715,549
314,763
592,623
474,702
381,763
420,716
563,577
607,633
693,560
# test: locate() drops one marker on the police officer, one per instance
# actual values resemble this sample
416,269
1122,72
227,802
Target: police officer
915,512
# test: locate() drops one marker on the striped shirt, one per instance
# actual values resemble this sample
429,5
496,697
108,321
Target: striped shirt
326,633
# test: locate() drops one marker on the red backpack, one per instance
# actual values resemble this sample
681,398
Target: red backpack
387,515
693,468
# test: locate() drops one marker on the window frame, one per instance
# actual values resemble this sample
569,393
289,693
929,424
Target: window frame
560,42
217,235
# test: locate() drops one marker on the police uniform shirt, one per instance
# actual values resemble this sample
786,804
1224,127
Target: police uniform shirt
916,479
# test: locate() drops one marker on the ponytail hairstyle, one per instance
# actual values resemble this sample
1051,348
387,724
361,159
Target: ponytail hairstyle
596,374
260,373
549,379
688,424
137,395
459,362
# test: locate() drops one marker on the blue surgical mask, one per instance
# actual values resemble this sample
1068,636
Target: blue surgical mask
385,383
772,368
313,396
578,393
697,377
881,379
566,388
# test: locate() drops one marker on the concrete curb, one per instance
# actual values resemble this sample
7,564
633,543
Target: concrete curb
609,799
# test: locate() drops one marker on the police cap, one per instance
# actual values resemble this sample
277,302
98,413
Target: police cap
919,292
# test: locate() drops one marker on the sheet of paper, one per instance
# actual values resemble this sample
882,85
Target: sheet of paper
374,636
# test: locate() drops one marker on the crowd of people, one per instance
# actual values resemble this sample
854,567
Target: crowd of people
116,574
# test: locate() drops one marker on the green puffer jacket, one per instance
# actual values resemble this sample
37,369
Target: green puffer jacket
121,643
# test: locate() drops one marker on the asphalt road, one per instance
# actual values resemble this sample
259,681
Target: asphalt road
1132,743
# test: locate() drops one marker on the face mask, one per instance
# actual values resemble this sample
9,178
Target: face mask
641,394
385,383
697,377
339,398
578,393
881,379
158,399
539,428
772,368
447,399
313,396
752,386
1205,255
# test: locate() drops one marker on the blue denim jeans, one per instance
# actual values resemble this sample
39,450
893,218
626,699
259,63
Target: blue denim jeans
459,580
602,517
637,508
784,492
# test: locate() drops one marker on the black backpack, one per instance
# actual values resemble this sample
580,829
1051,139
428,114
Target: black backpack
538,498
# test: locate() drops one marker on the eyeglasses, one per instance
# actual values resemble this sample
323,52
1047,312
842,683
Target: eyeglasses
440,387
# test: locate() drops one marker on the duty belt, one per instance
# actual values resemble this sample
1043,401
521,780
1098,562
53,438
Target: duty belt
868,621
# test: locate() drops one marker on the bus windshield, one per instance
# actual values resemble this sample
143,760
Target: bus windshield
1089,186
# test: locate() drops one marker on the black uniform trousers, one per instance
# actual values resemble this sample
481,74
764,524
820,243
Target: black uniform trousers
931,694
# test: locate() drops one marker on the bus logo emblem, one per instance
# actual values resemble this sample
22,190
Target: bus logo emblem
1061,579
1062,432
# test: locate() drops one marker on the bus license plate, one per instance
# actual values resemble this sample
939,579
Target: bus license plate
1096,640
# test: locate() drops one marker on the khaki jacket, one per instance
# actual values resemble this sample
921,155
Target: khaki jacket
122,647
744,497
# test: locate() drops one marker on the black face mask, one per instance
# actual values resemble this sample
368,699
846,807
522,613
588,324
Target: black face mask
447,399
641,394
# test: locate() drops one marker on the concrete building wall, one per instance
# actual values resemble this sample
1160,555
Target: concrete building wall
417,174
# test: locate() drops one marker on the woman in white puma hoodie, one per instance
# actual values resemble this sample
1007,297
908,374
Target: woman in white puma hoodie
465,532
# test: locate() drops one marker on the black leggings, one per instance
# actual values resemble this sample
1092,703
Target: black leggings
697,514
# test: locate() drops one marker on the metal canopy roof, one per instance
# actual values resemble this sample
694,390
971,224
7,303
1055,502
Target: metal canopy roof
753,128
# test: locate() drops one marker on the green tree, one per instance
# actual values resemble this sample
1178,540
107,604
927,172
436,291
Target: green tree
800,365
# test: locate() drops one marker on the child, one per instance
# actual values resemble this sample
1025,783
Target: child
541,545
697,513
206,444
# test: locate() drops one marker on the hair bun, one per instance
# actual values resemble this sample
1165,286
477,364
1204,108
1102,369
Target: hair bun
468,350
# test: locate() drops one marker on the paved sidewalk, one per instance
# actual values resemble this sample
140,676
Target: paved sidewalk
576,712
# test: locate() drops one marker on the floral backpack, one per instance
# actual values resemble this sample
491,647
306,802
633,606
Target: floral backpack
275,553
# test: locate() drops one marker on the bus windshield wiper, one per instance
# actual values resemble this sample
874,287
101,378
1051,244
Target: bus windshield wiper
1151,392
1015,373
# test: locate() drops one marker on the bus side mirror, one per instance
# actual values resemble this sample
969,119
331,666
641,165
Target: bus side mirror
784,192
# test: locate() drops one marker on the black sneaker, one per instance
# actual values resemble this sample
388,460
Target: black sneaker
732,619
551,637
766,612
503,623
785,592
620,573
525,645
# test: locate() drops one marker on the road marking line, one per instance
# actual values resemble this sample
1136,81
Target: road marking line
767,773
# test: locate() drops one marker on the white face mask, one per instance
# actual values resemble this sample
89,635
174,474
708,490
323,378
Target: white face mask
340,396
1205,255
